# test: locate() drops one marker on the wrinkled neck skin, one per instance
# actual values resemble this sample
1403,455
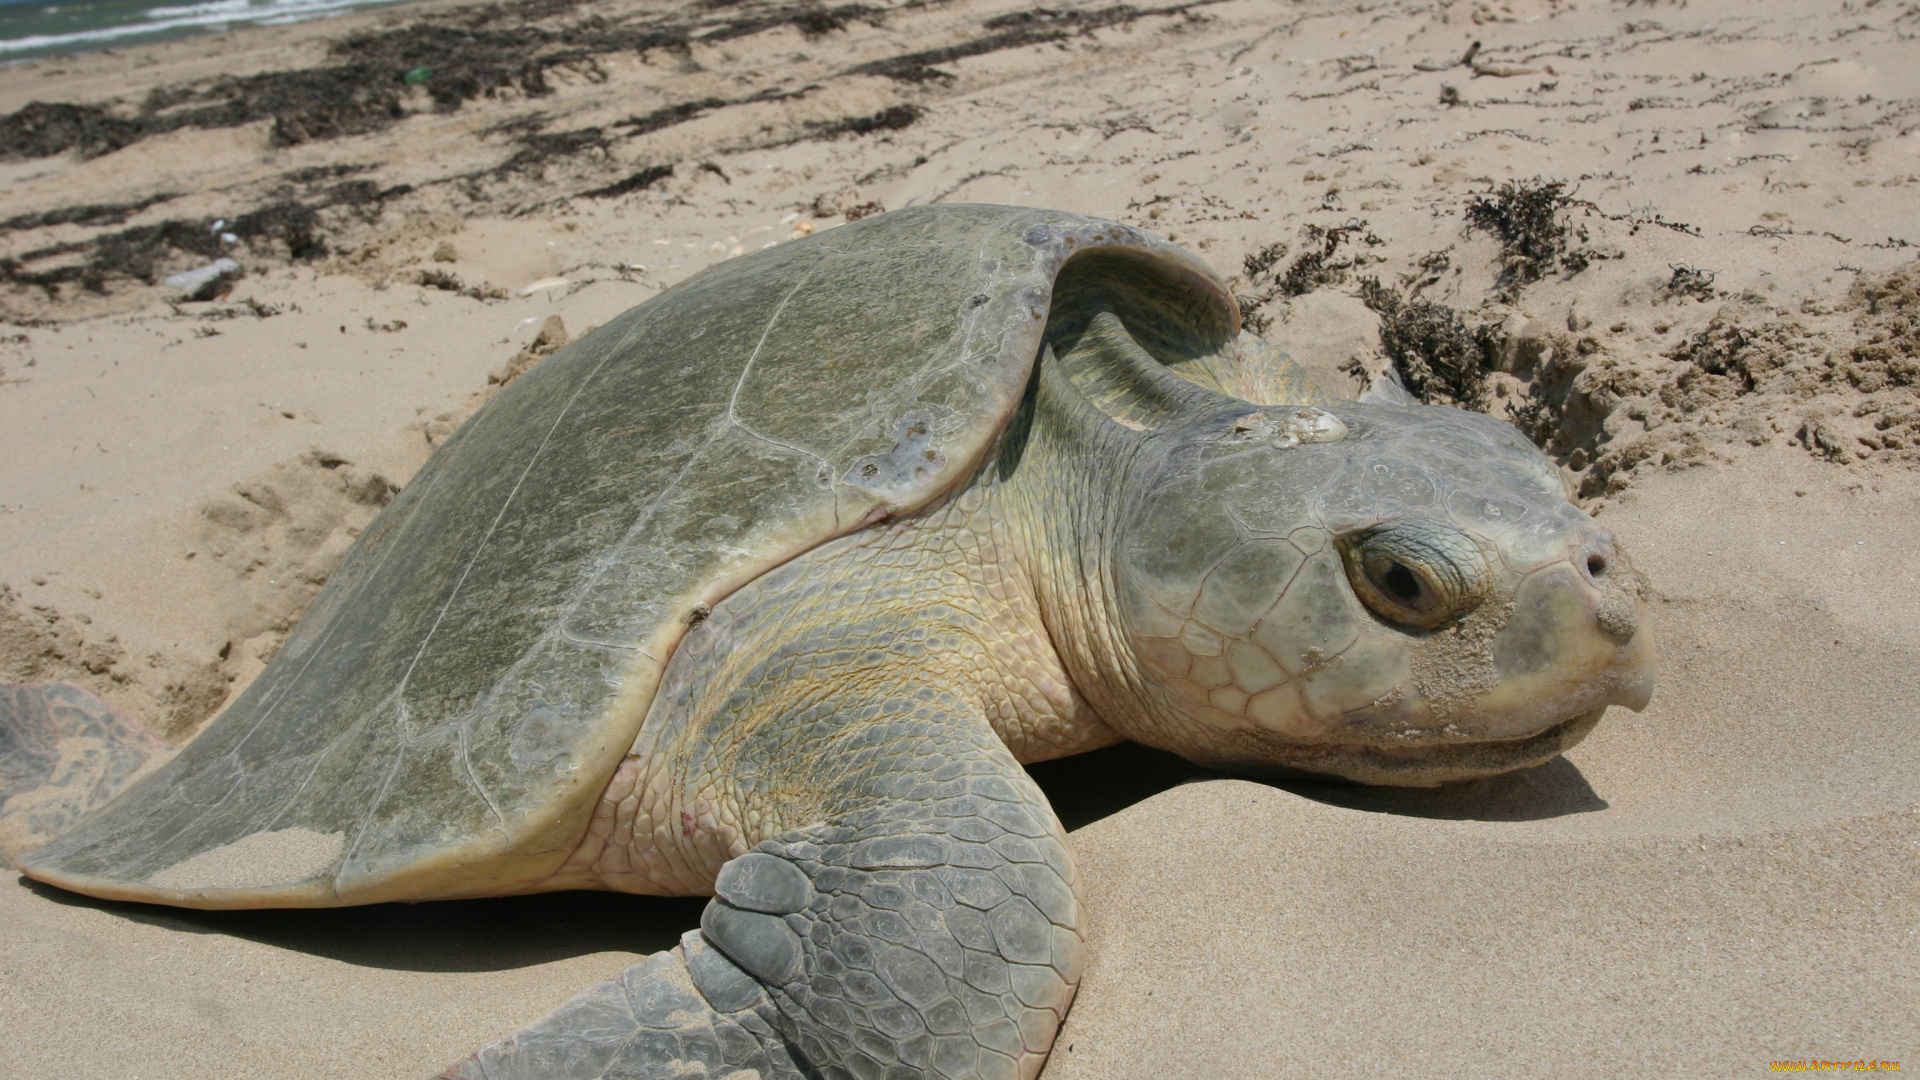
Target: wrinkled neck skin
1062,504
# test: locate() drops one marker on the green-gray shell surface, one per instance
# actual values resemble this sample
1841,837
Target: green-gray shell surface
445,717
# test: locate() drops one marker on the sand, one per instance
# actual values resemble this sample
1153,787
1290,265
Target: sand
1721,346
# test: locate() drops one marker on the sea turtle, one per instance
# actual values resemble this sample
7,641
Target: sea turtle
767,588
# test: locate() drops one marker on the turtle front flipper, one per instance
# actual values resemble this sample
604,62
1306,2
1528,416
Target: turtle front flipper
934,927
63,754
926,926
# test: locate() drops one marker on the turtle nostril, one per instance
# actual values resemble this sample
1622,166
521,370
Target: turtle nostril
1597,565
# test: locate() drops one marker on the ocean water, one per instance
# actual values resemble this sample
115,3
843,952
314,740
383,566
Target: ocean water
30,28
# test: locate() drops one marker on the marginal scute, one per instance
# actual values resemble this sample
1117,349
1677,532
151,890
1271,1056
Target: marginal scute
253,862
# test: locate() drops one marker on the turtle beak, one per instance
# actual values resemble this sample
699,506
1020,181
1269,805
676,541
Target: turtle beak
1637,663
1579,639
1616,600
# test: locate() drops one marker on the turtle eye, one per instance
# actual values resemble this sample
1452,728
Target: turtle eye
1414,573
1400,582
1401,591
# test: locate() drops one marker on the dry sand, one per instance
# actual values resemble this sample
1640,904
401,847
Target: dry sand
1722,347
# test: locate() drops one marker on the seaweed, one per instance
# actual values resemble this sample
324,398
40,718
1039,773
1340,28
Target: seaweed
645,178
43,129
465,54
93,215
684,111
537,146
891,118
1318,266
1439,358
1526,217
313,174
468,53
1690,282
1262,262
672,114
812,20
1014,30
139,253
248,306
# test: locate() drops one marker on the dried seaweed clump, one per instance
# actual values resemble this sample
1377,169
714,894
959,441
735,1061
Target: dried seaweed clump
289,230
456,57
1321,265
43,129
1526,217
1258,268
891,118
1440,359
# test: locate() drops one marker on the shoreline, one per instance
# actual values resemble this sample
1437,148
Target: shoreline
186,24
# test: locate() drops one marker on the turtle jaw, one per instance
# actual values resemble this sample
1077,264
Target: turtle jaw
1261,752
1573,638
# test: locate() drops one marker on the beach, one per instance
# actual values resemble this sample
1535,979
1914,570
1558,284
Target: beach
1674,244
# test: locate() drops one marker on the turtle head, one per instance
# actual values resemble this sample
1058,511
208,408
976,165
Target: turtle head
1391,594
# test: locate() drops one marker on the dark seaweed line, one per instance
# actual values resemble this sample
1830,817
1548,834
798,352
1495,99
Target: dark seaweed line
348,99
468,57
1013,31
467,53
287,225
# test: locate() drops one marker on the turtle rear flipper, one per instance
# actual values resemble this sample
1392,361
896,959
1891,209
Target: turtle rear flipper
63,753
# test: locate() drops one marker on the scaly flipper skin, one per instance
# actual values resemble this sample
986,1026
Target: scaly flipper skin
63,754
929,921
688,1012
